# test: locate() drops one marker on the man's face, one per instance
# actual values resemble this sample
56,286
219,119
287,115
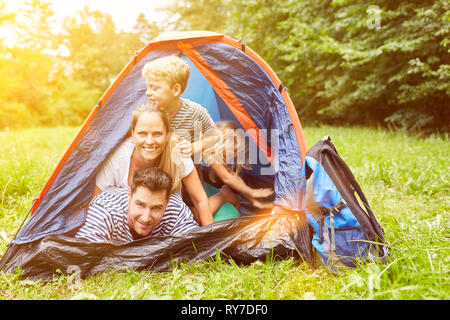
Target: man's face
145,210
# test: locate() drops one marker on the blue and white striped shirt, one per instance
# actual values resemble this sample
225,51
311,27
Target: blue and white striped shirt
106,218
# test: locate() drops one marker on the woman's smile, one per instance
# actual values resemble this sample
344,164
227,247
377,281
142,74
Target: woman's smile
150,149
150,137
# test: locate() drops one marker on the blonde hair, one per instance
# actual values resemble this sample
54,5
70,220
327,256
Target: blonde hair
171,68
227,130
170,160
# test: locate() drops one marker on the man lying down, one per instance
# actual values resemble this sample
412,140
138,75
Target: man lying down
147,208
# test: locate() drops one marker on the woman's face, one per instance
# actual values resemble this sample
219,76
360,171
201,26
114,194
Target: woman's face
150,137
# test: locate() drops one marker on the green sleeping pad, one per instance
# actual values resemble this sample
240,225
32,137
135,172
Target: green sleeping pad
226,211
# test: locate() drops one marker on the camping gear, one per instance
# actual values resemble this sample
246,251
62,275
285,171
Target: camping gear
233,83
344,230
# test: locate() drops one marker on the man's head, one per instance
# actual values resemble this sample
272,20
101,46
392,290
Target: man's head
147,200
166,79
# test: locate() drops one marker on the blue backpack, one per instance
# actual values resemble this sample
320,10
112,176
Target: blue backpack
344,230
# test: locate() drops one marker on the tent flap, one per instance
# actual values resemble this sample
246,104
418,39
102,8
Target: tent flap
244,240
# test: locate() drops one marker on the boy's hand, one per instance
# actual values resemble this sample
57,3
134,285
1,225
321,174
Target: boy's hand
183,146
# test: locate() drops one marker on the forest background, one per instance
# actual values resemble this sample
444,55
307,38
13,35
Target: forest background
377,63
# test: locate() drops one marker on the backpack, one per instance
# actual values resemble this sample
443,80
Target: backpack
344,231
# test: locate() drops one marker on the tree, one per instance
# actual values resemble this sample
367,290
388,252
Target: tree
24,69
96,52
211,15
347,61
34,27
145,30
396,72
55,76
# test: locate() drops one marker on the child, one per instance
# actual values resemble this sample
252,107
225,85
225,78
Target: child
228,150
166,79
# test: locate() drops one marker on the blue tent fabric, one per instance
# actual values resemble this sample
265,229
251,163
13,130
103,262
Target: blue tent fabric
199,90
60,209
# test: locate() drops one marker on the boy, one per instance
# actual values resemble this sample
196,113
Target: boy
166,79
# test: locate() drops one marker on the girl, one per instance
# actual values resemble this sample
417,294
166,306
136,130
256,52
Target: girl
231,146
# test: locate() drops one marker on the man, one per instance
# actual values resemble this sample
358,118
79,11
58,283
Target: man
146,209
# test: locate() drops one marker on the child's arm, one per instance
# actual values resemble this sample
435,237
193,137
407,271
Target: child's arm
236,183
209,139
188,149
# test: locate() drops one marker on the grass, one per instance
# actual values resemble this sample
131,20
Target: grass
405,178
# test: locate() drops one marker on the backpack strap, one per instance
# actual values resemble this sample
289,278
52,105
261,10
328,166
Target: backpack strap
319,214
356,187
338,207
382,248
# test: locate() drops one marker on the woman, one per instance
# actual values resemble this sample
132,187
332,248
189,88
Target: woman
151,145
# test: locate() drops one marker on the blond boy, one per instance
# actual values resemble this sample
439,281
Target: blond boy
166,79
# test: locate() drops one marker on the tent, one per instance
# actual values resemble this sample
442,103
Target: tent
233,83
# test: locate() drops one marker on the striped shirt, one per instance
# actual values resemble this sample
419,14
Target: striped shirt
191,121
106,218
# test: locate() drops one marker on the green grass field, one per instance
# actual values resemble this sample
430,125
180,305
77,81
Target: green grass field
406,180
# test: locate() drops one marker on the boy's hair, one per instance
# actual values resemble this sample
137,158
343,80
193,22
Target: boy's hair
171,68
152,178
